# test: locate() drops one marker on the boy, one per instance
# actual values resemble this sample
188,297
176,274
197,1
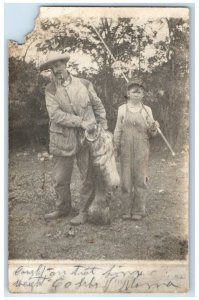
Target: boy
135,124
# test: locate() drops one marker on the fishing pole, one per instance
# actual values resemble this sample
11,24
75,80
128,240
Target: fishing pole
127,80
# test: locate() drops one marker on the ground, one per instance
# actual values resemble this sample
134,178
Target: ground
162,234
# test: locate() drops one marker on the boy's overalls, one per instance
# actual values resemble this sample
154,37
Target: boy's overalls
134,161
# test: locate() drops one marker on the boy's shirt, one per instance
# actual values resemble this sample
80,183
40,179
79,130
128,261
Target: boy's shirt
121,116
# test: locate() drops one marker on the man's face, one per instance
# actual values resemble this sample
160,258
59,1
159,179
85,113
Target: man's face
136,94
58,69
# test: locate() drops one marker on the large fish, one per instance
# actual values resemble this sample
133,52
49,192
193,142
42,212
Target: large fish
102,152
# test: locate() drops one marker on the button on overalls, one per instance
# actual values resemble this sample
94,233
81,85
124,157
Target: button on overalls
134,162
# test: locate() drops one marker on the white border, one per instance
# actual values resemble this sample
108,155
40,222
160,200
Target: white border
2,122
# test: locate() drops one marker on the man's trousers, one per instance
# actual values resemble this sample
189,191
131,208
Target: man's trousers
62,172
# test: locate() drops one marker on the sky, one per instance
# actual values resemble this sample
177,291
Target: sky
90,12
139,15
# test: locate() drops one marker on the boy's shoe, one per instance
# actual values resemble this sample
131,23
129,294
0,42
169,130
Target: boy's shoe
79,219
136,217
126,217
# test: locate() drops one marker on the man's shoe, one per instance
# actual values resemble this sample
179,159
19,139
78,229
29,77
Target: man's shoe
56,214
79,219
126,217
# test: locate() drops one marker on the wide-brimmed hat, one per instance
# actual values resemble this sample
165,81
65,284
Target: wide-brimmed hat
135,81
52,58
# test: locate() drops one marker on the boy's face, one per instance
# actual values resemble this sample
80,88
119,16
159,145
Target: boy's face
135,94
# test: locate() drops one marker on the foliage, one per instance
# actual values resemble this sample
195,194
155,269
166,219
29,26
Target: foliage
156,50
27,112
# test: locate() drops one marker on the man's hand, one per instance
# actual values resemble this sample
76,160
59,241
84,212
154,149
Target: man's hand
104,125
88,126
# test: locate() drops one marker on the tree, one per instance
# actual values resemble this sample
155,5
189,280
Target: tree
179,68
156,50
126,39
28,119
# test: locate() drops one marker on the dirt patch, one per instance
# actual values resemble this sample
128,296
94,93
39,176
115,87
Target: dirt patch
162,234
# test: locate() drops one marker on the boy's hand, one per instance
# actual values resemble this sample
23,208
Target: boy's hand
154,126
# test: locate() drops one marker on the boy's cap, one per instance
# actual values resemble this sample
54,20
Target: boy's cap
52,58
136,81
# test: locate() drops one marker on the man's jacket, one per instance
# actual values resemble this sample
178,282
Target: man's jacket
68,105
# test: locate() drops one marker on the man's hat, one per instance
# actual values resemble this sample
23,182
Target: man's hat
135,81
54,58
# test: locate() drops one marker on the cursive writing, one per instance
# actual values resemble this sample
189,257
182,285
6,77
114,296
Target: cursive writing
107,279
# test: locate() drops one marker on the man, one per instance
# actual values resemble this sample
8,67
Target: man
73,107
